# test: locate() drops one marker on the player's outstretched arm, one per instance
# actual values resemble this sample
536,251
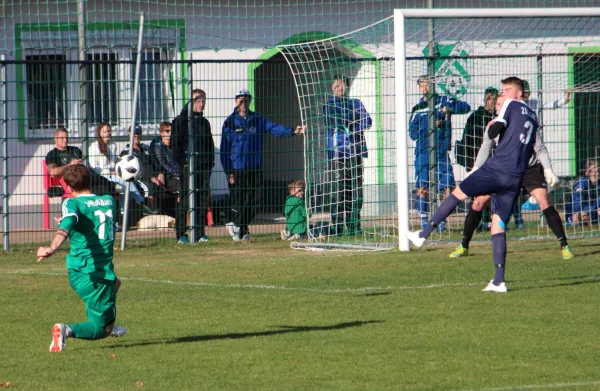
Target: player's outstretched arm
558,103
59,239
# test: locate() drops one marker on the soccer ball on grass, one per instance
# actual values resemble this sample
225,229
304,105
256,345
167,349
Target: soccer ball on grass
128,168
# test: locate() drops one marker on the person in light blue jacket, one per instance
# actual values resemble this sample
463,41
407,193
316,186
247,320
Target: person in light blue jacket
241,157
346,121
445,107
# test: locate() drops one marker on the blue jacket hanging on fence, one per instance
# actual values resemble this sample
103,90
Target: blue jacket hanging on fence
242,140
419,125
346,120
586,195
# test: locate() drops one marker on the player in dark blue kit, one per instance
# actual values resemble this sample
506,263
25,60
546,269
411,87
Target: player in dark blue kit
515,127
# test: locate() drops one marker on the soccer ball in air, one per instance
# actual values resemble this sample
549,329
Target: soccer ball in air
129,168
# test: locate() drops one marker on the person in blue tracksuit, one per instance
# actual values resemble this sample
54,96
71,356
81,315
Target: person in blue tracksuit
586,195
241,157
346,121
445,107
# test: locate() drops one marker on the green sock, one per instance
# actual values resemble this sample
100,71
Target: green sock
87,330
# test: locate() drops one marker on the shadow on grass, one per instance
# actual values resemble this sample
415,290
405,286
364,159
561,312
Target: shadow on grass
558,282
375,294
212,337
573,247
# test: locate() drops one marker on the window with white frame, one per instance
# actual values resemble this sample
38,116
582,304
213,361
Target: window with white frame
153,96
46,92
102,92
53,90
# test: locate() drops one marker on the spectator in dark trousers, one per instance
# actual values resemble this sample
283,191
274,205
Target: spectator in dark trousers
241,157
169,181
148,181
201,146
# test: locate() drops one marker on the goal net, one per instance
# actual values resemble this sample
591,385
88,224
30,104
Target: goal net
346,92
453,67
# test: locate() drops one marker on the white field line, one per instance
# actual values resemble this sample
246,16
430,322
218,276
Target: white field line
544,386
260,286
284,288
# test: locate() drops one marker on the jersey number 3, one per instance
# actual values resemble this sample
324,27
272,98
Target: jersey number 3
525,139
106,219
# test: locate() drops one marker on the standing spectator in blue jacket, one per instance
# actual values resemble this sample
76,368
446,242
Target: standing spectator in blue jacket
241,157
445,107
346,120
586,195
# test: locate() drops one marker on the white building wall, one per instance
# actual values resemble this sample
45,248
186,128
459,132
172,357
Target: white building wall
226,79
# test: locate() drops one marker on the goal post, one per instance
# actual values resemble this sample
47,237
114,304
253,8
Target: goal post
402,119
401,180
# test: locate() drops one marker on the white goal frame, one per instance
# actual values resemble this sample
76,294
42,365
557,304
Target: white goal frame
400,81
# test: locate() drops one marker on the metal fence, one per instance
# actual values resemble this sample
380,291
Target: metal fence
46,90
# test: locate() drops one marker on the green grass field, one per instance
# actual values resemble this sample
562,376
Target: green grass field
261,316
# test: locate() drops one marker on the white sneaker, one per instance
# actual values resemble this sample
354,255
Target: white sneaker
495,288
118,331
246,238
230,228
284,234
59,336
415,239
234,231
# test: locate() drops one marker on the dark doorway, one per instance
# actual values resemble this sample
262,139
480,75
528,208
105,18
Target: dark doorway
587,109
283,158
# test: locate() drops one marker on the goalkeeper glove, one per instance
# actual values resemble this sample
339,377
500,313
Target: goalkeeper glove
551,179
475,168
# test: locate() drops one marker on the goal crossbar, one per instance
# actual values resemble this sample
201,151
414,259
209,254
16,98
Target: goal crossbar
498,13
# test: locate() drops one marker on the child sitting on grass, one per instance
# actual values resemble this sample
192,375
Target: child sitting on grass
295,212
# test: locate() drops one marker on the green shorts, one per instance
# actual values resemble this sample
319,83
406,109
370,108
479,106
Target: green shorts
99,296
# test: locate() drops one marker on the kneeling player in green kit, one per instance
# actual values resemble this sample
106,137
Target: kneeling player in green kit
87,220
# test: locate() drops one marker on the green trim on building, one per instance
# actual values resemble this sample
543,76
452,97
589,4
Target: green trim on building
20,28
354,47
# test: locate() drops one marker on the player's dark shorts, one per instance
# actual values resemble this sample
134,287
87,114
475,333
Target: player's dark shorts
503,188
534,178
444,172
99,296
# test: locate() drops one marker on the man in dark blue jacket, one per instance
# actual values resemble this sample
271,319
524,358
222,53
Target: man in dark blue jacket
241,157
346,120
419,131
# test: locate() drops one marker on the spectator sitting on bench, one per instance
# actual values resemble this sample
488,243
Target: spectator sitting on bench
169,170
149,181
64,155
103,157
586,196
